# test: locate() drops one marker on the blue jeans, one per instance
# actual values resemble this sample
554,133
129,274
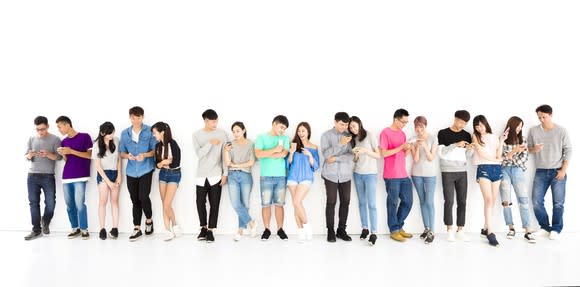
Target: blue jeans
399,201
111,175
425,187
36,183
239,188
170,176
74,196
366,191
273,190
543,179
516,177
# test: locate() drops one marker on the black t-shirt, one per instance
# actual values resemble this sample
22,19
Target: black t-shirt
447,136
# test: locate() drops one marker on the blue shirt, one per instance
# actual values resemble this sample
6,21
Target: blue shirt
146,144
300,168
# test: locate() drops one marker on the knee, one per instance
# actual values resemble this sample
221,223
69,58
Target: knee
506,204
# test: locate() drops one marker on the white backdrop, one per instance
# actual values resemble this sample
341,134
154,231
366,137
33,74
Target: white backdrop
252,60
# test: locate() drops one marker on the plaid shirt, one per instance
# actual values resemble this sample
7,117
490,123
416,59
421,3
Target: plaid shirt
519,159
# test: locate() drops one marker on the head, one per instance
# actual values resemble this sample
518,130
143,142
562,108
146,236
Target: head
480,127
515,124
355,127
400,118
210,119
106,133
64,125
136,115
302,133
41,124
239,130
420,123
279,125
341,120
461,119
544,113
161,131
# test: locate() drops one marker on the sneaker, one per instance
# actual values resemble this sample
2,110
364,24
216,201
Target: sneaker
103,234
372,239
44,225
32,235
209,238
301,235
462,236
483,233
282,234
202,234
397,236
341,233
364,233
511,234
307,231
114,233
529,237
266,234
553,235
405,234
430,237
74,234
136,234
253,225
237,237
492,240
450,235
331,236
168,235
177,230
85,234
424,234
149,228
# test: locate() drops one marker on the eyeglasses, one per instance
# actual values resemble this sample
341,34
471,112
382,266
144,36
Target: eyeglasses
403,122
40,129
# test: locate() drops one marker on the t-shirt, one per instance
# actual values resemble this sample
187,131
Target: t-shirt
242,153
48,143
272,166
77,167
424,167
109,160
395,165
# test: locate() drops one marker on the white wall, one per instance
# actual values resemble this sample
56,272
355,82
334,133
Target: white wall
251,60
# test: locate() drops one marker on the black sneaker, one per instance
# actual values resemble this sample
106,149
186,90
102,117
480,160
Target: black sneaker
430,237
74,234
364,234
331,236
114,233
149,228
341,233
85,234
282,234
266,234
136,234
424,234
209,237
33,235
202,234
372,239
44,225
492,240
529,237
103,234
483,233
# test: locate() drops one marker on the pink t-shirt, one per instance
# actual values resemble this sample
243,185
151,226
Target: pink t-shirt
395,165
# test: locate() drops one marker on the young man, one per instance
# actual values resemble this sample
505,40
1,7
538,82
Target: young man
271,148
76,150
394,149
337,173
454,149
552,148
211,172
137,145
41,151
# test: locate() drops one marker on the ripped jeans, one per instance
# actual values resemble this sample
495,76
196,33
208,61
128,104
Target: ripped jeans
516,177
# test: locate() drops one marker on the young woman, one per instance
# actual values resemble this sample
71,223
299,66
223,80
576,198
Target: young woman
108,165
424,175
239,158
303,162
513,168
167,160
366,152
487,157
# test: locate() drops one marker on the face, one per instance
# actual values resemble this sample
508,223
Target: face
136,120
302,133
109,136
519,128
544,118
42,130
459,123
340,126
402,122
238,132
158,135
420,129
353,128
278,128
63,128
211,124
480,128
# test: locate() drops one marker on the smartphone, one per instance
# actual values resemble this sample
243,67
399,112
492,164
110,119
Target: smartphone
280,142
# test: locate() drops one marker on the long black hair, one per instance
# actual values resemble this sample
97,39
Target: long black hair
362,133
166,130
297,140
105,129
513,137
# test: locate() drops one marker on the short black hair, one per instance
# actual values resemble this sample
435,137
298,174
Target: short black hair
136,111
64,119
463,115
40,120
400,113
342,116
546,109
281,119
209,114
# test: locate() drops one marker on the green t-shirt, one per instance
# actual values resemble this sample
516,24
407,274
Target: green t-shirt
272,166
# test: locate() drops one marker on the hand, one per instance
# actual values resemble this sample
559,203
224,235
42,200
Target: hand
406,146
228,147
331,159
64,150
111,185
140,157
306,152
345,139
520,148
31,154
279,148
42,153
131,157
224,180
215,141
293,147
560,175
539,147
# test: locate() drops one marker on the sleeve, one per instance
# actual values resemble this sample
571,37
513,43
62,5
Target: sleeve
316,164
88,143
95,150
200,151
176,153
566,146
28,145
57,143
259,143
123,143
251,154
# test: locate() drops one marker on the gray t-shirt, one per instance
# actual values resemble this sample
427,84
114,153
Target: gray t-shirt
424,167
210,163
557,146
366,164
109,161
48,143
242,153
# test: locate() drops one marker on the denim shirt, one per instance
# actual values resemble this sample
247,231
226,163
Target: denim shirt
146,144
340,170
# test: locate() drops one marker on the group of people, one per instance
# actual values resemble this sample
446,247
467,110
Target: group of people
347,152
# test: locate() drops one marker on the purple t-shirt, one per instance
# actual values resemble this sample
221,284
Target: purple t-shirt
77,167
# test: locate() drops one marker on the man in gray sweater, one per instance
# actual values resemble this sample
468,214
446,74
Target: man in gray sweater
552,148
211,172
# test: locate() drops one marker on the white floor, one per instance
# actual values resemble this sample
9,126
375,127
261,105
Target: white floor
55,260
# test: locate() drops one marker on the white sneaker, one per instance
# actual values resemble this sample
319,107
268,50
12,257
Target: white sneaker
237,237
462,236
253,225
168,235
301,235
553,235
177,230
307,231
450,235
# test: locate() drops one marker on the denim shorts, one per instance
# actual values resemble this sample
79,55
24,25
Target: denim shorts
169,176
273,190
489,171
304,182
111,174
